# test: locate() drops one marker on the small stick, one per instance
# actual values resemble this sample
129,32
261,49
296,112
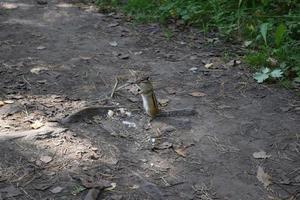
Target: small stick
114,88
26,80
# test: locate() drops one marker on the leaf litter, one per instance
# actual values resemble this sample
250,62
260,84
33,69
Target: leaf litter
263,177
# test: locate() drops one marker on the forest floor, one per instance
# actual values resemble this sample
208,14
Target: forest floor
58,58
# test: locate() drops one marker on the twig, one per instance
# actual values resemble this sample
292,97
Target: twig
122,86
29,196
114,88
174,184
26,80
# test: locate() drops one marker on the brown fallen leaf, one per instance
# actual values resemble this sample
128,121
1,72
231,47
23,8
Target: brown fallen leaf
36,124
181,151
263,177
197,94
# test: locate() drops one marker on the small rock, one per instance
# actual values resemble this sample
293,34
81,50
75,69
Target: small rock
1,103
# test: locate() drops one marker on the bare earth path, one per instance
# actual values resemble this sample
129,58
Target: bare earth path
58,58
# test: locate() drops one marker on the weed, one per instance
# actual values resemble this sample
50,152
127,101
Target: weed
270,28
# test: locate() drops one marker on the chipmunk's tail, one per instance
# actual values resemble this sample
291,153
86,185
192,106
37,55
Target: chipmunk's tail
173,113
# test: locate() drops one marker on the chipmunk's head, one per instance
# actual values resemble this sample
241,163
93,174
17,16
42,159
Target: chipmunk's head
145,86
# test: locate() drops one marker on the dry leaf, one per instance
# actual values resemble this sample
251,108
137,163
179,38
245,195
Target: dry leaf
263,177
41,48
113,43
46,159
163,102
165,145
181,151
208,65
85,57
197,94
110,113
8,6
37,70
261,155
8,101
112,187
193,69
134,187
56,190
37,124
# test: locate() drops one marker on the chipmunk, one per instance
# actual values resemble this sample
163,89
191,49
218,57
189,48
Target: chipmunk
150,103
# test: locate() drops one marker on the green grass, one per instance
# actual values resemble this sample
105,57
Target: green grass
271,26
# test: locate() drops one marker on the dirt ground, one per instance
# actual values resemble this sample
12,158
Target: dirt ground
58,58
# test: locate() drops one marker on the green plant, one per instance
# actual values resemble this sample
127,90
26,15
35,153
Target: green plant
267,28
267,73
